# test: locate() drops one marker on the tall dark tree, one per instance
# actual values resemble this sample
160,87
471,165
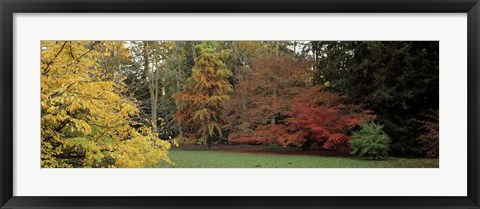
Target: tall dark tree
398,80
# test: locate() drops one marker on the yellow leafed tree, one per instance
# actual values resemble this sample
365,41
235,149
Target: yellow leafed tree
86,118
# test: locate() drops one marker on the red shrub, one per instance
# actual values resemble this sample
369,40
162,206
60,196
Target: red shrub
326,125
430,138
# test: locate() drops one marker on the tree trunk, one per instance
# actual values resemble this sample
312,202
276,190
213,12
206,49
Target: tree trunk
154,90
150,77
164,83
307,145
146,64
209,143
178,74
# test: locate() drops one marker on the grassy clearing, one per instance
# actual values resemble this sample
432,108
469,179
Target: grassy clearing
221,159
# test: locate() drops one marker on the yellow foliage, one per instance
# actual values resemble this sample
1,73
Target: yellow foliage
86,121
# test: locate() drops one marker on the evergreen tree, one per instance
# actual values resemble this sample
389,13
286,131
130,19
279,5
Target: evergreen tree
399,80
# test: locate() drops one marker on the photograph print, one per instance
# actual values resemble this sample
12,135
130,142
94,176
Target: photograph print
239,104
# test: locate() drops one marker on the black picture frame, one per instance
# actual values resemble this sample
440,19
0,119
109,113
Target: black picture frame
9,7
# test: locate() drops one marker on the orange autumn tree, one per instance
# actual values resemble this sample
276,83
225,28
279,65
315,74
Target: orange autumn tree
261,95
275,103
203,94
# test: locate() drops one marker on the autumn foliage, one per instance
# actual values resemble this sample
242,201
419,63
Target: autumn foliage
327,126
123,103
430,137
260,95
274,103
86,120
203,94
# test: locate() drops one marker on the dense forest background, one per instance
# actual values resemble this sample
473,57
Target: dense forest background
126,103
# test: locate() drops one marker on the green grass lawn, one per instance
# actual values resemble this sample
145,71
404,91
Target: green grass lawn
221,159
